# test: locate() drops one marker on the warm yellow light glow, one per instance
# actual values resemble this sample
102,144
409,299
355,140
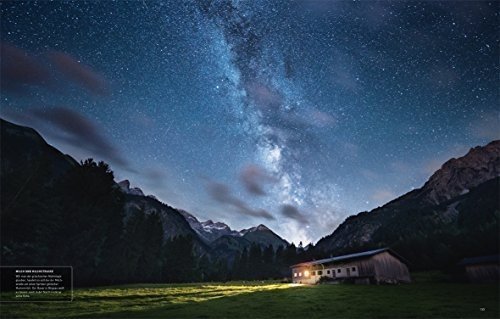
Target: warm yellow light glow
306,273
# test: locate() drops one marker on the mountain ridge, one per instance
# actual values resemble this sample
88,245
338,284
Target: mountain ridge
463,189
454,176
430,211
210,231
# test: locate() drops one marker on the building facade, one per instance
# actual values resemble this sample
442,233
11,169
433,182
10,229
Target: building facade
373,266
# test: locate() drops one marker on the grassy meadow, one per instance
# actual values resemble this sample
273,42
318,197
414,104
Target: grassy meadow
269,300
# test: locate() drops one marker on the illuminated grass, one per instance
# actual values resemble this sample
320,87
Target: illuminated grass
269,300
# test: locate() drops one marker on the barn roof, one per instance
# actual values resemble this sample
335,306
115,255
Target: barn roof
363,254
480,260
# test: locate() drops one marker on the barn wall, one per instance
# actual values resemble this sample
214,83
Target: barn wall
383,267
362,268
389,268
365,267
483,273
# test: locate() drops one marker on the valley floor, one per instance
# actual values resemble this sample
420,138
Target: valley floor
269,300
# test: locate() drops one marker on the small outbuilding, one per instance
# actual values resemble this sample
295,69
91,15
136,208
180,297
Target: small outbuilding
482,269
373,266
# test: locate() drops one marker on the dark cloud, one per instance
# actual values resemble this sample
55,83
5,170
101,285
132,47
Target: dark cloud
222,194
294,121
18,69
292,212
253,177
79,131
155,175
79,73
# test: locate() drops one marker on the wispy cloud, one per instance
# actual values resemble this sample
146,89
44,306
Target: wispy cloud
264,96
79,73
72,129
76,129
292,212
254,179
19,69
222,194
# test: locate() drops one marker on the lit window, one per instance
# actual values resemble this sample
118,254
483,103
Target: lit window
295,274
300,274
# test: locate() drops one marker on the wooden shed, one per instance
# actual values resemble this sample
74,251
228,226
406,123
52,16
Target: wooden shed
482,269
373,266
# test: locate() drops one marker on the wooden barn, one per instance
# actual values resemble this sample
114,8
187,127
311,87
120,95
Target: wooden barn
482,269
373,266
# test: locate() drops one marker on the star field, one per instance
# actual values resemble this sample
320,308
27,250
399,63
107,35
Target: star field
293,114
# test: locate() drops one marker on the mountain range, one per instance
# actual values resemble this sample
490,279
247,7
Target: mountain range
454,214
21,145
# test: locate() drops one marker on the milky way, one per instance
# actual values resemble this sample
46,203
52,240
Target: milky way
293,114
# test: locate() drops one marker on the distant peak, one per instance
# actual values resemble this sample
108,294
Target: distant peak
262,227
125,184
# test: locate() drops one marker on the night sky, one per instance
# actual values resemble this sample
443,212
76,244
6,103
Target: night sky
294,114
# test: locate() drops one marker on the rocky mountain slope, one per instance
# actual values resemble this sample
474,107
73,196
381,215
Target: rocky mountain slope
263,235
458,176
427,223
125,187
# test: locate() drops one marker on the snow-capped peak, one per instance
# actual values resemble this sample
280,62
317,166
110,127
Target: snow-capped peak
209,225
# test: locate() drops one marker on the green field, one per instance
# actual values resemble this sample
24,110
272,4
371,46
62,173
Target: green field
269,300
